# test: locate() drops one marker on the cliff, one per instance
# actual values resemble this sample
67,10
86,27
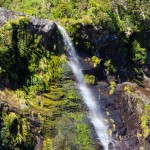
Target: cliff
41,108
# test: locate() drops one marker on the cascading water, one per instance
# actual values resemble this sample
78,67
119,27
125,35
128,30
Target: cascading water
94,113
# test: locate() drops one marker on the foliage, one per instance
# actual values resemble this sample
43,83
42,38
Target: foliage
109,67
14,51
127,89
42,78
129,20
79,139
139,54
145,121
112,87
15,132
89,79
95,61
30,63
42,84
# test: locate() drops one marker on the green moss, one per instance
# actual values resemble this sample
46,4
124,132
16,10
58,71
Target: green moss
50,107
54,116
48,103
83,133
55,93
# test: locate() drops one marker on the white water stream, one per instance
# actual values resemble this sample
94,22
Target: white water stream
89,99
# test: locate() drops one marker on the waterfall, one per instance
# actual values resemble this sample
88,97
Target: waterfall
89,99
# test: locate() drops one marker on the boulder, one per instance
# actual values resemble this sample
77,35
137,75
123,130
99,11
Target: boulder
6,15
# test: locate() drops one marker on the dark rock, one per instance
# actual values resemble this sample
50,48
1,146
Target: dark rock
90,71
148,138
125,111
101,73
105,41
132,143
41,27
46,29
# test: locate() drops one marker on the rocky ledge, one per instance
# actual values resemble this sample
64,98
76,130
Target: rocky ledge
127,114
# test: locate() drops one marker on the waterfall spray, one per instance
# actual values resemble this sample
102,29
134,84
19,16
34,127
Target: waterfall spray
89,99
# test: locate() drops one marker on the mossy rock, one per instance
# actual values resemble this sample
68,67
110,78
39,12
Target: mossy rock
47,102
75,100
55,94
71,108
49,130
48,143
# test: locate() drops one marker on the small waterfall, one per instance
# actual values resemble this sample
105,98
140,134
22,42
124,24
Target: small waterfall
94,112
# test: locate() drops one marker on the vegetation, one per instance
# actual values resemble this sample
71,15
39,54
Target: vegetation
112,87
127,89
15,132
95,61
43,94
109,67
37,95
145,121
89,79
127,19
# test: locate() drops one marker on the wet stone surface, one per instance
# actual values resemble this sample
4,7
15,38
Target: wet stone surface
122,115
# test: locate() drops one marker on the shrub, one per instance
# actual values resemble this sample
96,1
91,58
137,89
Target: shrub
95,61
109,67
139,53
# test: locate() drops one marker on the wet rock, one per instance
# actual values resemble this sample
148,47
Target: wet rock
123,111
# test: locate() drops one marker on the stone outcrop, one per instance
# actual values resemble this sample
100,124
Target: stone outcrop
124,110
46,29
41,27
6,15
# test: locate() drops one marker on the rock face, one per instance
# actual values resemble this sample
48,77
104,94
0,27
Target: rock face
6,15
103,43
105,46
46,29
124,111
146,68
41,27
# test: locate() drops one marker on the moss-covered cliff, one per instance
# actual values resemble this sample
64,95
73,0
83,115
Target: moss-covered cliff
44,110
